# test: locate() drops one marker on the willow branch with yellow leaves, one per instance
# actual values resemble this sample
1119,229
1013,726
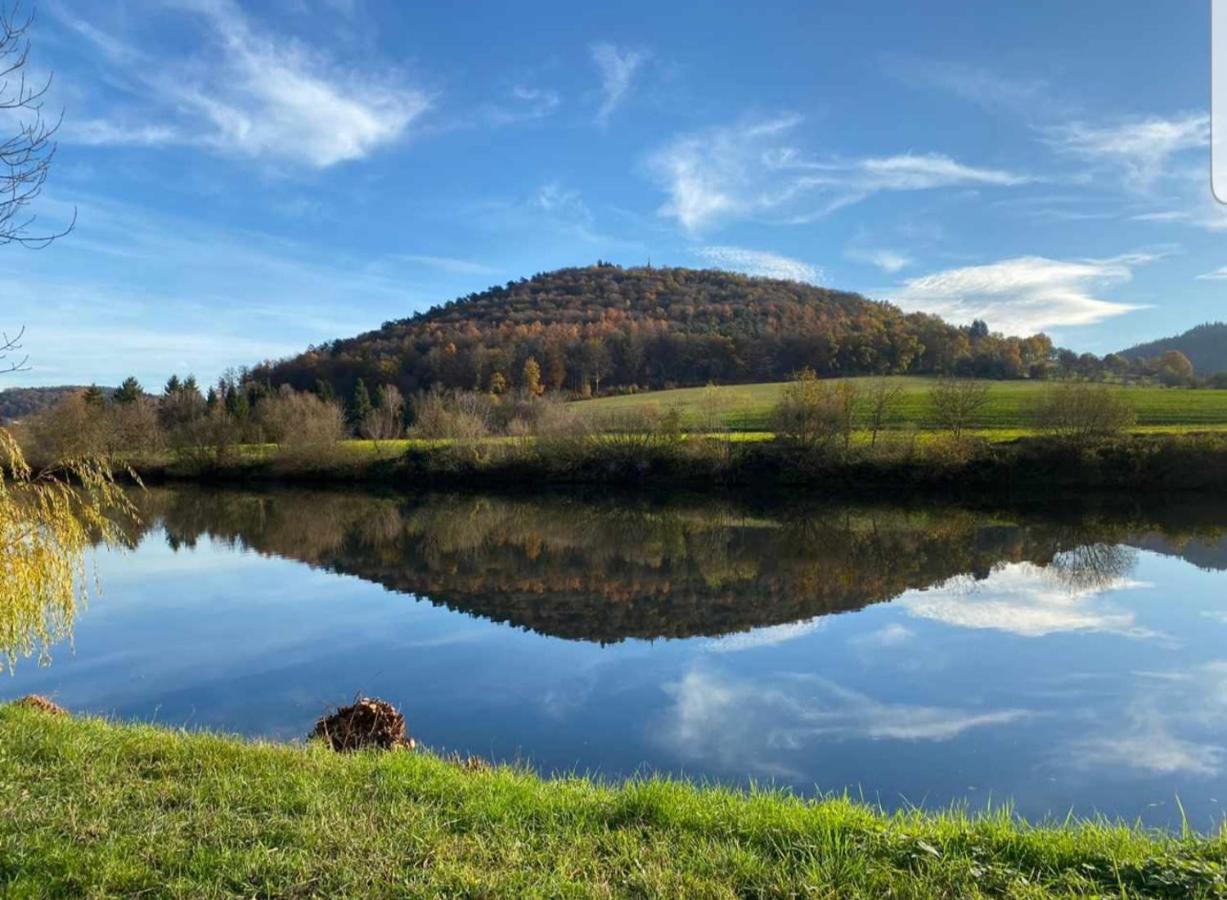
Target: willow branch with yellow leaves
50,520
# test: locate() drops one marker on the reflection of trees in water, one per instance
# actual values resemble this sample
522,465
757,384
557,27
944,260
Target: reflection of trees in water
608,570
1094,566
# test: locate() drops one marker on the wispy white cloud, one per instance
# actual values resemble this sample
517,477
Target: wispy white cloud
761,262
562,202
997,92
1186,199
911,172
752,170
1170,215
555,211
449,264
1219,274
523,103
889,261
540,100
1157,159
1022,295
100,132
617,66
247,93
1141,149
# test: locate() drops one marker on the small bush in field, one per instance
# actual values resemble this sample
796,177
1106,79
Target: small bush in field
809,414
1080,413
306,429
453,415
957,403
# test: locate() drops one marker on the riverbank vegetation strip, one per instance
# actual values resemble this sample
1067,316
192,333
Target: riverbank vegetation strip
93,808
841,433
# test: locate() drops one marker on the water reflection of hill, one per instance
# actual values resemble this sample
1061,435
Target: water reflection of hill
1209,552
610,570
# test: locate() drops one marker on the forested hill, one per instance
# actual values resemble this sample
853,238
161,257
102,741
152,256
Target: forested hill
604,327
19,402
1205,346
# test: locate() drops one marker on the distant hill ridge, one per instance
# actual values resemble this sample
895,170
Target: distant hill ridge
604,327
19,402
1205,346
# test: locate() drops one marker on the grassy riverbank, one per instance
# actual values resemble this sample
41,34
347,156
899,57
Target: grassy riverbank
918,463
91,808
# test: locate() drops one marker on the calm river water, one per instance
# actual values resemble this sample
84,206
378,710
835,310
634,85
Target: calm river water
909,655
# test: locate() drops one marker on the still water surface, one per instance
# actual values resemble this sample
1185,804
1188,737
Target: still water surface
910,655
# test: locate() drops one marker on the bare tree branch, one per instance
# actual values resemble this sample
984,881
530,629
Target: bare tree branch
25,157
7,346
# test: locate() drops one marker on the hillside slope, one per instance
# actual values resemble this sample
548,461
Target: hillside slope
1205,346
605,327
19,402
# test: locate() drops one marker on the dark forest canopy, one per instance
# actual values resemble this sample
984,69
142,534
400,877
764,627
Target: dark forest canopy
605,328
1205,346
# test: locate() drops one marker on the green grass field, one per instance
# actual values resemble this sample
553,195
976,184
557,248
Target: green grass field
747,407
95,809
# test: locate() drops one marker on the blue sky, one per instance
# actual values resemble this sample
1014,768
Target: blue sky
252,178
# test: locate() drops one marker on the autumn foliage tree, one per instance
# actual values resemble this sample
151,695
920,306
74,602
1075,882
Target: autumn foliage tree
532,377
1175,368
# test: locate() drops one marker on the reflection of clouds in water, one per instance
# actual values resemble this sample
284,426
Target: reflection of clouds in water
1029,601
753,725
1168,705
764,637
891,635
448,639
561,700
1150,746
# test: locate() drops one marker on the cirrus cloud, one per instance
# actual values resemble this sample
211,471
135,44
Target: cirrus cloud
1142,148
618,67
762,263
246,92
1023,295
890,261
753,170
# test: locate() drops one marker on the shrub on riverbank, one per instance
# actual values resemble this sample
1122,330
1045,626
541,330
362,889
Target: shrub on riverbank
99,809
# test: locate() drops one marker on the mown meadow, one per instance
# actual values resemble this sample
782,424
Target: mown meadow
748,407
